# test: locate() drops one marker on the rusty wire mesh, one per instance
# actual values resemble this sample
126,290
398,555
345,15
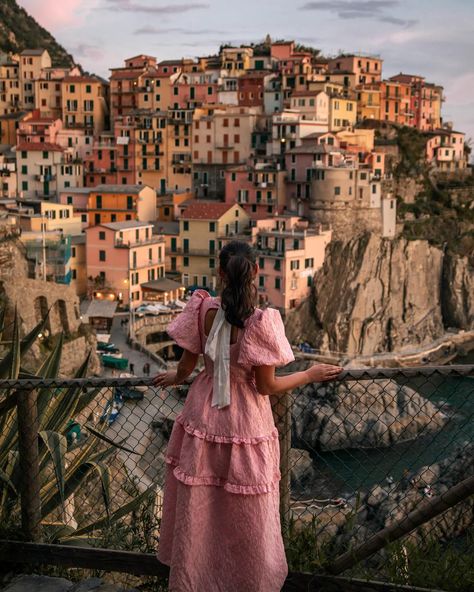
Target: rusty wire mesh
358,455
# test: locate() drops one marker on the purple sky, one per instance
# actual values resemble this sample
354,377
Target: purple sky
428,37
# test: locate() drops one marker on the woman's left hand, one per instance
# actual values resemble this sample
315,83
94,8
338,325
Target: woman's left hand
165,379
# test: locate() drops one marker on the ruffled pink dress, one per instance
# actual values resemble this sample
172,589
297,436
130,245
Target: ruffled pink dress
220,529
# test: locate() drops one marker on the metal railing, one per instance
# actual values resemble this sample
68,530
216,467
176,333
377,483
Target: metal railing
377,471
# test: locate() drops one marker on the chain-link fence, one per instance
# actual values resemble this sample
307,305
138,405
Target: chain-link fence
83,462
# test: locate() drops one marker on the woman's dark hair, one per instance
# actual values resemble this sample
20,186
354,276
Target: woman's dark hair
239,294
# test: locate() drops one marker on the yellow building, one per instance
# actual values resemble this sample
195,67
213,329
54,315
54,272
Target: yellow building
236,60
154,90
9,86
48,90
363,138
84,103
342,113
121,203
32,64
201,225
167,204
150,146
179,149
368,102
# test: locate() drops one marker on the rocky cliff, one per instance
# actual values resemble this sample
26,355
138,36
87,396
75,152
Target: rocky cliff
377,295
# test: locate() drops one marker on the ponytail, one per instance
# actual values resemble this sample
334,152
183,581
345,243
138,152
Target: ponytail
237,263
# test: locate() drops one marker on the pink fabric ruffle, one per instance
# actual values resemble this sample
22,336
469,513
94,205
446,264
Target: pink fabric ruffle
264,342
242,468
224,439
185,327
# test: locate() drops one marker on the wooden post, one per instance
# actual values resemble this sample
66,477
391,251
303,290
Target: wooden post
425,511
282,415
28,427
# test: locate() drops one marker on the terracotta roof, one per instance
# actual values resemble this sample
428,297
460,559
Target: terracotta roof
126,74
79,79
38,147
203,210
306,93
32,52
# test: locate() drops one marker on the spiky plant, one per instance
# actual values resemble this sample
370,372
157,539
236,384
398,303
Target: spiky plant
59,479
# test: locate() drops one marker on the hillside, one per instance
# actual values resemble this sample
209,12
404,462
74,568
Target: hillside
19,31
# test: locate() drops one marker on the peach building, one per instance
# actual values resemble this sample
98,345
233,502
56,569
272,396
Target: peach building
366,69
236,60
168,204
190,90
79,264
48,90
174,257
201,226
395,102
85,103
121,203
50,217
342,112
8,127
35,127
9,85
178,157
77,197
313,105
121,256
445,150
32,64
426,100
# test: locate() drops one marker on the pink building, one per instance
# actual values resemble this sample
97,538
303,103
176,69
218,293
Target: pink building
78,198
33,127
258,187
121,256
100,166
194,89
290,254
445,150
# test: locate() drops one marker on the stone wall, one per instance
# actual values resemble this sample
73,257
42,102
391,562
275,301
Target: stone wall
34,298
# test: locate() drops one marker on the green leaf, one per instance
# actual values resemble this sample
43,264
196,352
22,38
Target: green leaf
56,445
105,438
103,471
52,531
25,345
130,506
49,369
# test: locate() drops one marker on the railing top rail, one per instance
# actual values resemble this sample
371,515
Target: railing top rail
346,375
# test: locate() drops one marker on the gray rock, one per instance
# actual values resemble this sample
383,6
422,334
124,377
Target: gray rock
302,468
35,583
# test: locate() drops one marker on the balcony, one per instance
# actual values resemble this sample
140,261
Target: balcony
156,239
225,146
149,263
45,178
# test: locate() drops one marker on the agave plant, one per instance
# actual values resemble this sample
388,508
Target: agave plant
56,406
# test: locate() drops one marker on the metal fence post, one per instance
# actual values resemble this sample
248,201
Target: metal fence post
28,427
282,416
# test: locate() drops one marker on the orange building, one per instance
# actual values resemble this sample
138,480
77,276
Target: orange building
395,102
121,203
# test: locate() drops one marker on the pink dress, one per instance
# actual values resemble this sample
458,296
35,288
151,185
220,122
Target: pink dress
220,530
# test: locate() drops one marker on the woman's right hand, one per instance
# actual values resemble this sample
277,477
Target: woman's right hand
323,372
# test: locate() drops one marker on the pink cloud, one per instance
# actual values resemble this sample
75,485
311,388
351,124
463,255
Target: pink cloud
51,14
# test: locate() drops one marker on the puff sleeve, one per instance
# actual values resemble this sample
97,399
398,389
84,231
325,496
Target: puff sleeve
185,329
264,342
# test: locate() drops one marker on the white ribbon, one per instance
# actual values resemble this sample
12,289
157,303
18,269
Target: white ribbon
218,350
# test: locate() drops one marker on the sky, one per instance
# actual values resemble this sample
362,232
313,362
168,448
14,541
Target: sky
432,38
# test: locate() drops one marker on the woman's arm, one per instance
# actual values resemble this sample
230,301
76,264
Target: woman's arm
186,365
269,384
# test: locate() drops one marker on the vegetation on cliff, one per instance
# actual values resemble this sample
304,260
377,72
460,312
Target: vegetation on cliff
19,31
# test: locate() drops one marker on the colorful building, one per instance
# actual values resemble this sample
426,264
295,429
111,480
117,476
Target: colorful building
201,226
121,256
33,62
10,95
121,203
85,103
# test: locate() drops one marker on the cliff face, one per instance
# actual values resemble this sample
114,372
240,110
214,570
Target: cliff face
376,295
19,31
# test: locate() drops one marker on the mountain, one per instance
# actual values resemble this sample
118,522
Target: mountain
19,31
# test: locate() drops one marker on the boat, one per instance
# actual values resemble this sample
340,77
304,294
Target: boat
112,409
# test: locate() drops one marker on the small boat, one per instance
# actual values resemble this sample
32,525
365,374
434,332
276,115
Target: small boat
110,361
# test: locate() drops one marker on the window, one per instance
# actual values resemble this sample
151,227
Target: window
212,263
261,263
24,169
45,154
212,226
225,122
101,255
129,202
98,200
337,190
308,263
24,185
185,261
186,245
309,281
69,200
24,154
277,265
185,225
101,235
294,264
88,88
277,283
261,282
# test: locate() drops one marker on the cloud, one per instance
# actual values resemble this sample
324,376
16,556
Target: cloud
368,9
51,13
131,6
170,30
85,50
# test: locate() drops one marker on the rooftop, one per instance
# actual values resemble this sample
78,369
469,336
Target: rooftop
126,225
100,308
166,227
162,285
117,188
205,210
33,52
38,147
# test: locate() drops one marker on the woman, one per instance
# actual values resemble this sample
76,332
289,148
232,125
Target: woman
220,530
